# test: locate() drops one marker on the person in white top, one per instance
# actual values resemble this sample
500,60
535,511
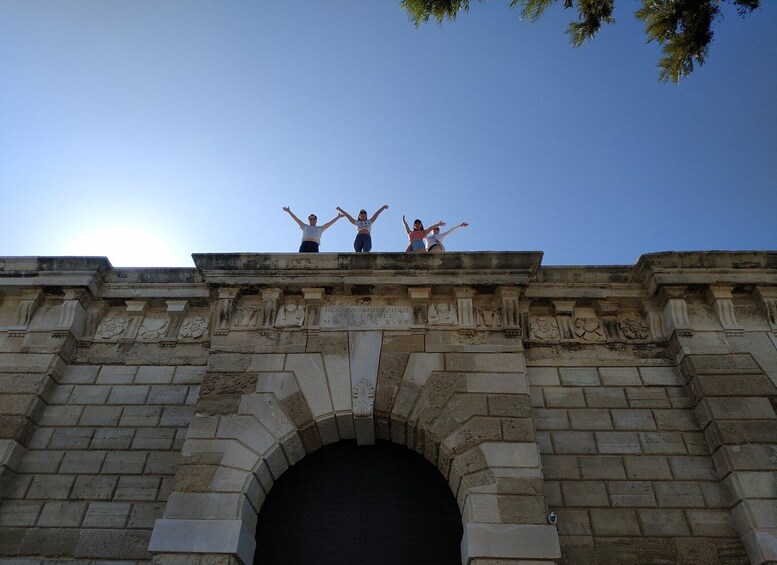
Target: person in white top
434,240
363,241
311,233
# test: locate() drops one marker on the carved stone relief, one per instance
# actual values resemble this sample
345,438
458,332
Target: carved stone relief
588,329
194,327
153,327
111,327
544,328
290,316
633,328
442,314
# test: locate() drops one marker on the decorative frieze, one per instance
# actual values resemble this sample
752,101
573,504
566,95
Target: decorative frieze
225,307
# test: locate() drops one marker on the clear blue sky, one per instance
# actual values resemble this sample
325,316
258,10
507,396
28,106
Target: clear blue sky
146,131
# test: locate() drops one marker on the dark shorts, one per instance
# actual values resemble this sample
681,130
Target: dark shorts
362,243
308,247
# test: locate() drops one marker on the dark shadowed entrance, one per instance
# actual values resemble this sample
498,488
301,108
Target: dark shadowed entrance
381,504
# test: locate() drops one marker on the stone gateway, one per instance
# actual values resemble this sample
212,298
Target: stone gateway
573,415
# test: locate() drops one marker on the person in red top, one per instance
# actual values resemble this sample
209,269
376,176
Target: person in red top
417,235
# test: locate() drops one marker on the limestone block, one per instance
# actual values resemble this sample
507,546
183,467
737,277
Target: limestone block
505,454
543,376
498,383
276,461
509,541
82,462
614,522
660,376
633,419
247,430
647,398
741,408
345,426
203,506
662,443
746,458
519,429
167,394
188,374
573,442
585,494
564,397
62,514
56,416
339,377
112,439
601,467
617,442
153,439
19,513
176,416
124,463
420,366
647,467
551,419
311,377
107,515
266,362
693,468
631,494
579,376
71,438
750,484
327,429
94,487
140,416
116,374
265,408
537,398
230,537
756,513
733,385
100,416
128,394
137,488
144,514
41,461
79,374
675,420
605,398
761,545
162,463
474,431
590,419
47,487
282,385
663,522
560,467
293,447
152,374
619,376
511,405
711,523
50,541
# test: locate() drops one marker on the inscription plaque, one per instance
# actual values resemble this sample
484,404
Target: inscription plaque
366,317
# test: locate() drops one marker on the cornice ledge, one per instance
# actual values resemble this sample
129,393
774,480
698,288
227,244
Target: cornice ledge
311,269
655,270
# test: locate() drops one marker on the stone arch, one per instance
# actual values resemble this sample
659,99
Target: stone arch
468,413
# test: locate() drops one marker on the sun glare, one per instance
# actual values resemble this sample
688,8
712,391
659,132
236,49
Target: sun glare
127,246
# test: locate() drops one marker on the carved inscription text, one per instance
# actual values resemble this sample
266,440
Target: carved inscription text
366,317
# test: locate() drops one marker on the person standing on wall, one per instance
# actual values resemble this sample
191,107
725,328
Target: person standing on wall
434,240
311,233
363,241
417,234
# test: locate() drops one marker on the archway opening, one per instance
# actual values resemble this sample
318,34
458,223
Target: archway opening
382,504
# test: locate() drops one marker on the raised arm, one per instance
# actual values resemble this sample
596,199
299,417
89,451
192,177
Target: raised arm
376,214
404,221
332,221
453,229
295,218
428,230
347,215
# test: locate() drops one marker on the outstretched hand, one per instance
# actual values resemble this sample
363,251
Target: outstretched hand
464,224
286,209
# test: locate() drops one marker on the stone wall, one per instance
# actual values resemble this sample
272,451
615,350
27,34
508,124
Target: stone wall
146,413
